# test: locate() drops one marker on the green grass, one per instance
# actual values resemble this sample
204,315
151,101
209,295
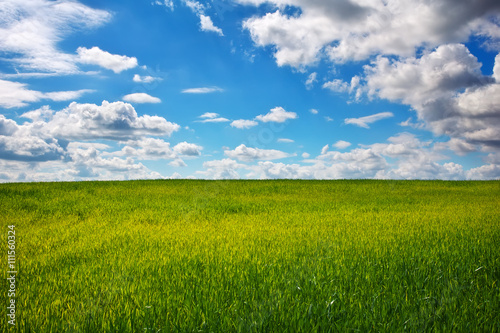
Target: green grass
254,256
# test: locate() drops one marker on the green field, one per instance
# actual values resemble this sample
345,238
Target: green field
253,256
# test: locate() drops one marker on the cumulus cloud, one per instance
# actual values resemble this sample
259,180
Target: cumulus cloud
202,90
247,154
141,98
114,121
314,111
178,163
92,163
355,30
278,115
244,124
221,169
446,89
148,149
31,30
188,149
364,121
96,56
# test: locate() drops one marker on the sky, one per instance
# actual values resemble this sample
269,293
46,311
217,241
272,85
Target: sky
249,89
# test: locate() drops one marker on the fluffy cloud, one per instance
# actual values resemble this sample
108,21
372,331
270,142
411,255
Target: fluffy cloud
278,115
15,94
447,90
92,163
30,31
270,170
188,149
243,124
148,149
355,29
21,143
96,56
222,169
141,98
247,154
114,121
364,121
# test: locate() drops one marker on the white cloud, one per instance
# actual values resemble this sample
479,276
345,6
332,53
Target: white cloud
15,94
141,98
188,149
306,155
340,86
247,154
278,115
446,89
328,119
91,163
270,170
31,30
488,171
206,24
314,111
341,144
209,115
458,146
145,79
221,169
202,90
364,121
324,150
195,6
66,95
148,149
244,124
178,163
96,56
212,117
167,3
113,121
311,79
357,29
284,140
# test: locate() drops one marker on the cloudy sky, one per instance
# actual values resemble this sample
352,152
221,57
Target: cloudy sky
139,89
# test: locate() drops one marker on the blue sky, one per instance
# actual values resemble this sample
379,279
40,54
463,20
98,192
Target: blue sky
220,89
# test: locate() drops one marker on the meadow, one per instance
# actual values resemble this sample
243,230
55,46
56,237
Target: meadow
253,256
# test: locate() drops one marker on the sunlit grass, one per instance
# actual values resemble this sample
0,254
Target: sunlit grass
255,256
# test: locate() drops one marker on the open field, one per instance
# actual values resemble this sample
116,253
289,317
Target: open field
254,256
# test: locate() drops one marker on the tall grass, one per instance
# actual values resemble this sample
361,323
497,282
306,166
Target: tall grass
255,256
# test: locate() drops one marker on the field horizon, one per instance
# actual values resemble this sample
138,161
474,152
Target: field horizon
253,256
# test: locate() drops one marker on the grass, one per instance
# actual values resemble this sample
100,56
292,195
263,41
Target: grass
254,256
